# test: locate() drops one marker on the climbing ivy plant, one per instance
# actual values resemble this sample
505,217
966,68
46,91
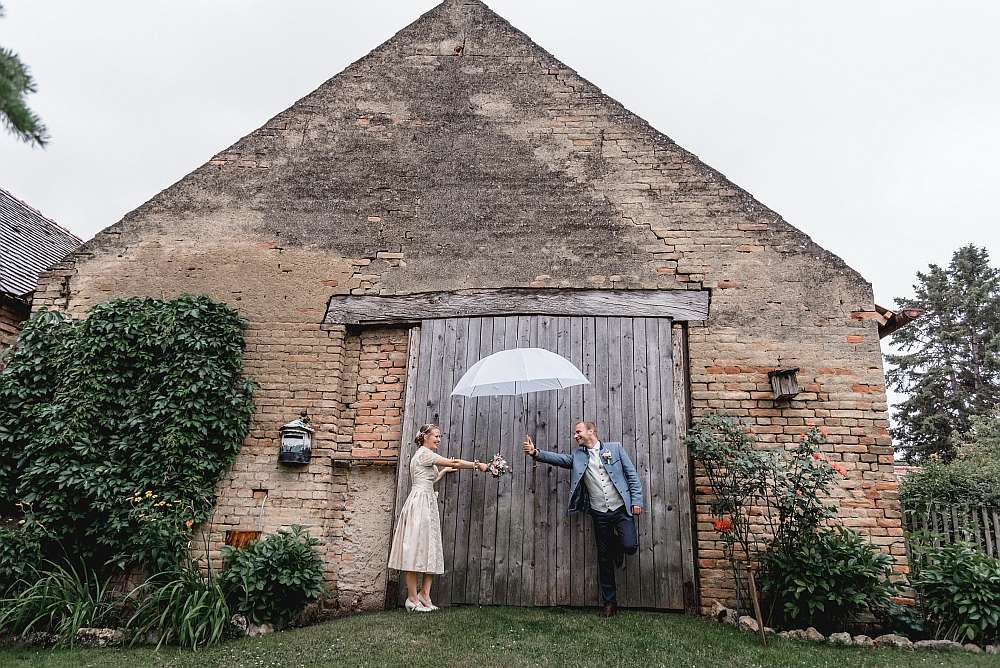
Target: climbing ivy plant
114,430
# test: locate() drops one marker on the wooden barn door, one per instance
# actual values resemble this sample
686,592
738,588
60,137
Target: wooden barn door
509,541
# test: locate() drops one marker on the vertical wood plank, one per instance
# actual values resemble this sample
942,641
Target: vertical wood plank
434,408
530,529
472,518
995,514
394,580
657,503
483,532
602,388
539,478
464,505
520,532
450,447
560,498
577,523
672,578
406,445
685,498
631,576
612,352
550,498
970,516
510,448
590,407
643,420
494,445
519,481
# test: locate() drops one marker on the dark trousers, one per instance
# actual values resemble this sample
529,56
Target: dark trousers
613,531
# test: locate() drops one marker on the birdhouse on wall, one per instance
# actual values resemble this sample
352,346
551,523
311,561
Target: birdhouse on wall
784,384
296,441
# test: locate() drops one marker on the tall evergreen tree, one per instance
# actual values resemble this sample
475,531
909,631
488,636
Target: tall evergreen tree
15,84
949,366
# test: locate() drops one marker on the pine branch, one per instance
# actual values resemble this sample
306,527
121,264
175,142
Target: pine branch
16,84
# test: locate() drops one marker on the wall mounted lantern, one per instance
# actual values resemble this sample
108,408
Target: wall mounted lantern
296,441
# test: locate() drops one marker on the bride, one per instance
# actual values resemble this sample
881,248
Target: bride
416,543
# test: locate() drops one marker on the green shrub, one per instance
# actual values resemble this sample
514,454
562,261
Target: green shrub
740,476
272,580
182,606
145,395
825,580
971,478
59,599
774,506
20,551
959,592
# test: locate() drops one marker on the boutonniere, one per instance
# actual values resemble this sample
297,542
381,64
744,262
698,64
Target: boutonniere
606,455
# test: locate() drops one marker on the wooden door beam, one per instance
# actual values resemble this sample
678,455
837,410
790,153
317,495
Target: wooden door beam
678,305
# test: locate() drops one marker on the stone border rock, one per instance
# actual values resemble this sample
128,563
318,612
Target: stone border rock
724,615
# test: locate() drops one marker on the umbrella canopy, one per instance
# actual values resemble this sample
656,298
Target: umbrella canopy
519,371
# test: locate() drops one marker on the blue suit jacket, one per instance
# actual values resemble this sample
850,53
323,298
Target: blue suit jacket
619,468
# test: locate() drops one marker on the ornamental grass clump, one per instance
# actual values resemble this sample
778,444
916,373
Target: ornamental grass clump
59,598
185,606
272,580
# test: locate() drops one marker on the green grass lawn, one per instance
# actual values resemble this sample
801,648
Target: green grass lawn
505,637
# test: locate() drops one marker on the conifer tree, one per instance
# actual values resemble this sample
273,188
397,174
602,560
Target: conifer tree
16,83
949,364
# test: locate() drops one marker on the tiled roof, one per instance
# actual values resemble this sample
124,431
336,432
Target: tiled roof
30,243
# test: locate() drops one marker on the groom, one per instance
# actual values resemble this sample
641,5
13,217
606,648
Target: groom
610,492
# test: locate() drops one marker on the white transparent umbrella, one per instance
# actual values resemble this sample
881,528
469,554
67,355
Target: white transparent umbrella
519,371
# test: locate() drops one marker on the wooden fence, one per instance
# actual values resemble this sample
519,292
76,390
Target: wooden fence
976,525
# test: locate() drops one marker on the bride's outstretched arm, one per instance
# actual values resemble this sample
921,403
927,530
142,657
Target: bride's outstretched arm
461,464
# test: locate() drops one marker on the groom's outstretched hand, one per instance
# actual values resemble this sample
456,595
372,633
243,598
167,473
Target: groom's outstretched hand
529,447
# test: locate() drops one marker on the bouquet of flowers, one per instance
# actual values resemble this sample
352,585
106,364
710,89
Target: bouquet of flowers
498,466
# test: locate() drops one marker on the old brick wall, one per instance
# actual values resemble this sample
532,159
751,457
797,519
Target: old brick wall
298,363
842,394
13,313
459,155
371,419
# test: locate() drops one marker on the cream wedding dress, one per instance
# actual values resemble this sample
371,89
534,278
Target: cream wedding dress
416,543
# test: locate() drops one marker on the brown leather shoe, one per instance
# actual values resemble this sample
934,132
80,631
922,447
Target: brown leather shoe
609,610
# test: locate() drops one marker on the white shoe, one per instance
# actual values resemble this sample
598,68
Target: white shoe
415,607
427,604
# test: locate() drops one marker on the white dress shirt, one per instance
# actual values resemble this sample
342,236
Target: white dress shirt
603,495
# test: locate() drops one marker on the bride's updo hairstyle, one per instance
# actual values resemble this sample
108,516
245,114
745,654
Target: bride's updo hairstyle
423,431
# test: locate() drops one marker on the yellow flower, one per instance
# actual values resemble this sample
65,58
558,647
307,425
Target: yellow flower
149,493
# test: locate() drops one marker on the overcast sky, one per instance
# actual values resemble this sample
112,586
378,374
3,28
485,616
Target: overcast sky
872,125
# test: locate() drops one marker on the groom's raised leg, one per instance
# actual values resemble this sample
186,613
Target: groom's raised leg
626,530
